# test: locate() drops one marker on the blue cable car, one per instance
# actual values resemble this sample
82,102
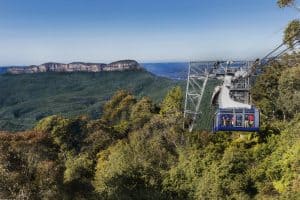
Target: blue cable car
237,119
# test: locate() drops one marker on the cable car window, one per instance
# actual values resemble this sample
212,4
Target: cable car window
251,120
233,120
226,120
246,122
239,120
239,111
249,111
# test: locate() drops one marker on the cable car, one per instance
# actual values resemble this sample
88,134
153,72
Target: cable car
232,115
237,119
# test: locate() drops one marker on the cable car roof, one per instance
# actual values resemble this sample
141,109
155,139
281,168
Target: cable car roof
225,101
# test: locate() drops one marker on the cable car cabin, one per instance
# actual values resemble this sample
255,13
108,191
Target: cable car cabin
237,119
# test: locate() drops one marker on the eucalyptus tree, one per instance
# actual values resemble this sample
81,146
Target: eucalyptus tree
292,31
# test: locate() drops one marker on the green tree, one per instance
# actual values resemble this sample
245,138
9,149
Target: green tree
289,91
119,175
284,3
292,32
118,108
77,176
265,91
67,133
99,137
276,173
141,113
172,103
29,166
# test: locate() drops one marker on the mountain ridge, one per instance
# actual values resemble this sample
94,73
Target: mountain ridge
120,65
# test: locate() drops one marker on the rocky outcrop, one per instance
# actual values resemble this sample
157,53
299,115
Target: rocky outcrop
121,65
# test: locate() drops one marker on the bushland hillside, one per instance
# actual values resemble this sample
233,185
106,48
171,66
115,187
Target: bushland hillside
137,149
27,98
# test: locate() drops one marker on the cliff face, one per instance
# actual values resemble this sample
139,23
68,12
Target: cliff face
76,67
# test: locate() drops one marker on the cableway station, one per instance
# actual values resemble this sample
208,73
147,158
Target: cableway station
230,99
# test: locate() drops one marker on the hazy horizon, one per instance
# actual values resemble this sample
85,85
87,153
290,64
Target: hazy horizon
35,32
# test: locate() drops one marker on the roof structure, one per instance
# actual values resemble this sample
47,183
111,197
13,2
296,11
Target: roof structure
225,100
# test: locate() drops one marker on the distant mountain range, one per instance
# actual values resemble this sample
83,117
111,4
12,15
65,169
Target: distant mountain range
173,70
75,67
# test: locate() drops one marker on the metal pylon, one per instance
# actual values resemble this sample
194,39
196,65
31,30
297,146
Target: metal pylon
195,88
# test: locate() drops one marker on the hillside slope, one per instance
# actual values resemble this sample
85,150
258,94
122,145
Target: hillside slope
26,98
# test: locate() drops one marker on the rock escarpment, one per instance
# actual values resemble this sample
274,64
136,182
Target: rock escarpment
76,67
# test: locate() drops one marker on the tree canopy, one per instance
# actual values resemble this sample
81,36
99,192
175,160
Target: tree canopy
285,3
139,150
292,33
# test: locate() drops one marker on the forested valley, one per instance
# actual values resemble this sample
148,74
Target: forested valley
139,150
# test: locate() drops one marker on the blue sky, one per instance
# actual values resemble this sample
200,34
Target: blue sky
37,31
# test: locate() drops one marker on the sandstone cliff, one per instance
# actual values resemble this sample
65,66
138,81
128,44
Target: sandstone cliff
76,67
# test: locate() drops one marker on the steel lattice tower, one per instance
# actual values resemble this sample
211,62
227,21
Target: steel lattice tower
195,88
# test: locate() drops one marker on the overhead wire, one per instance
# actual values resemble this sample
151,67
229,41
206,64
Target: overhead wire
281,45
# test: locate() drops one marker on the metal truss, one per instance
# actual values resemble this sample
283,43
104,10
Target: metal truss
197,80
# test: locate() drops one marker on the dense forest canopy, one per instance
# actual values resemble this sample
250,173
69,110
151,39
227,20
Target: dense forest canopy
27,98
138,149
